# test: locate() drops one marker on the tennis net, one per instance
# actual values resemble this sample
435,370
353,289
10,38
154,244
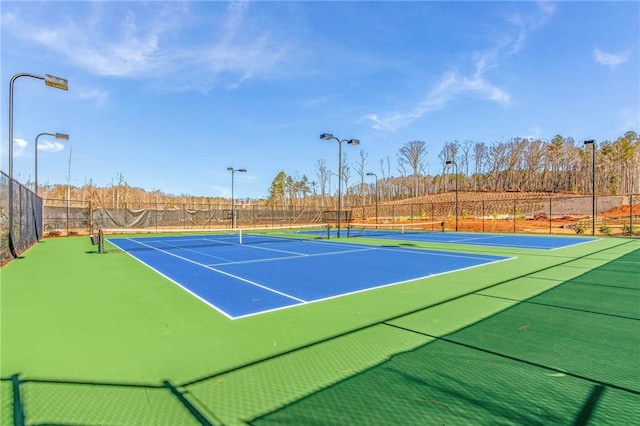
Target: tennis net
389,229
149,239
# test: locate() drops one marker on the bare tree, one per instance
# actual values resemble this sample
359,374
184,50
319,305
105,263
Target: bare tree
412,155
479,156
346,174
361,166
555,152
534,159
324,174
466,156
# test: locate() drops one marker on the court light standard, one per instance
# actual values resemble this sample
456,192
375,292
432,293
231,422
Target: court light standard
51,81
233,204
59,136
328,137
376,176
593,184
448,163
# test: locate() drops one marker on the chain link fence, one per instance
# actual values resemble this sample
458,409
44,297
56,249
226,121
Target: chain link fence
614,214
33,218
21,220
63,217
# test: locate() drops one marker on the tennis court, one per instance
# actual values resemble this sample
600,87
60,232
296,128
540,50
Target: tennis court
263,273
386,331
428,232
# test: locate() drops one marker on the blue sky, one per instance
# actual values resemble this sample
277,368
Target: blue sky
170,94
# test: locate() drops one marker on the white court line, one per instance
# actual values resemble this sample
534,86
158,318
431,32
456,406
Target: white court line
188,249
445,254
223,243
275,259
371,288
490,237
575,244
362,248
220,272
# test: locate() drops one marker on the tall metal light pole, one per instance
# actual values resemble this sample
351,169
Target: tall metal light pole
59,136
448,163
328,137
233,204
593,184
376,176
51,81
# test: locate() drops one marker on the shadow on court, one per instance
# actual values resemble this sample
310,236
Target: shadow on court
566,356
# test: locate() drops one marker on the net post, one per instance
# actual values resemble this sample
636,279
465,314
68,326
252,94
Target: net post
240,236
100,241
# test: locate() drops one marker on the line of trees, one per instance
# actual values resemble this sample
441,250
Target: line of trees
518,164
120,194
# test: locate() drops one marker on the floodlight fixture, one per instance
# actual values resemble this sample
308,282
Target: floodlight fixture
56,82
326,136
59,136
52,81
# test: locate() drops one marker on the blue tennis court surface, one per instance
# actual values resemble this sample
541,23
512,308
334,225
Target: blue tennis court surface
240,280
538,242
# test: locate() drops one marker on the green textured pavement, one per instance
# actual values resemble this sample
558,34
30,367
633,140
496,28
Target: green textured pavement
544,338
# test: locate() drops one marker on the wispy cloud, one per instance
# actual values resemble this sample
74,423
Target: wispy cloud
454,84
145,41
99,96
50,146
20,147
451,86
610,59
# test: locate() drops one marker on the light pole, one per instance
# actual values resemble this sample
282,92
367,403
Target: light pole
233,204
376,176
328,137
448,163
59,136
51,81
593,184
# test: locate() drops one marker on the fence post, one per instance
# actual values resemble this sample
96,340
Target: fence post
550,203
68,208
90,218
630,215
